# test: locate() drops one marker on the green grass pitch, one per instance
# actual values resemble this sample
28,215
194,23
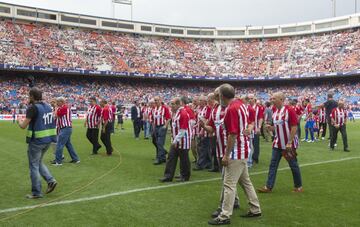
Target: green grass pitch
331,196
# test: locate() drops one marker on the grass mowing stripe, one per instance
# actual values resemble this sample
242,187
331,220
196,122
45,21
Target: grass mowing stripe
159,187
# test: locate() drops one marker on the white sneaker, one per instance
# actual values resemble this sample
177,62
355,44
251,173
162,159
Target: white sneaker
322,138
303,140
335,144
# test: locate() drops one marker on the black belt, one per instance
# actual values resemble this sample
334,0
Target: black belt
66,127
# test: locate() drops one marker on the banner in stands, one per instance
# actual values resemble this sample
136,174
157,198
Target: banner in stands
173,76
9,117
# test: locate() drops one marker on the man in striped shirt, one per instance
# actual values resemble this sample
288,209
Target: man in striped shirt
161,117
92,123
259,118
180,143
238,125
216,125
204,152
285,126
106,120
64,124
338,120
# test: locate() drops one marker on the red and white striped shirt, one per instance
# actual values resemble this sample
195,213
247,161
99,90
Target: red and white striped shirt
283,120
146,113
106,114
160,115
93,116
259,114
217,123
322,115
205,113
63,114
236,120
181,121
339,116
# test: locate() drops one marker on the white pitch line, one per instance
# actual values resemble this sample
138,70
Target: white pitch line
157,187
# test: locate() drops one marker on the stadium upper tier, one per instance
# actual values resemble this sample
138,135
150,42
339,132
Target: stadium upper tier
54,48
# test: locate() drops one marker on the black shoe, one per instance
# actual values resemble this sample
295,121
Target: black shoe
157,162
346,150
97,149
33,196
94,153
213,170
218,221
75,161
54,163
250,215
182,180
177,177
216,213
236,206
51,187
165,179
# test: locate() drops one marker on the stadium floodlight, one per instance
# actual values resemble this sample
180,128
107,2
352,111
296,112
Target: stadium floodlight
122,2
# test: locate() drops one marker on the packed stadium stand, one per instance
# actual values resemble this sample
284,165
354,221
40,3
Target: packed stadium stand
28,44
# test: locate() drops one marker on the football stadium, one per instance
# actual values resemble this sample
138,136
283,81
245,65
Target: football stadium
108,120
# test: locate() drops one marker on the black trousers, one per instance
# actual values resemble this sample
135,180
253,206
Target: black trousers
204,158
106,138
213,153
92,135
342,130
137,127
298,131
256,143
323,126
174,155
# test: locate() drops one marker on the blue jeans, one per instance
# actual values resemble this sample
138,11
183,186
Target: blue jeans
37,167
64,140
274,164
160,135
146,129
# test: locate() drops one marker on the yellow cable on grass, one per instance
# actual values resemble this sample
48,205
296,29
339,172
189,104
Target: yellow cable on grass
67,195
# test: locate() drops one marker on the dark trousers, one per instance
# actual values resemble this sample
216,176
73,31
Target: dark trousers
298,132
174,155
255,156
153,140
274,164
213,153
137,127
331,128
323,126
204,158
92,135
342,130
106,138
160,135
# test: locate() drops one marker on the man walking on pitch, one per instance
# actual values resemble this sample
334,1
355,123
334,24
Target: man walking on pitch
238,125
180,143
41,133
106,120
284,144
64,122
92,123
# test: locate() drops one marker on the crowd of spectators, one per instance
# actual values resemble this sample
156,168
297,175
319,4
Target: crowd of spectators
14,91
75,48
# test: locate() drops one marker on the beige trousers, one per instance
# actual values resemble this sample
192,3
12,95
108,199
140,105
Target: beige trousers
237,171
